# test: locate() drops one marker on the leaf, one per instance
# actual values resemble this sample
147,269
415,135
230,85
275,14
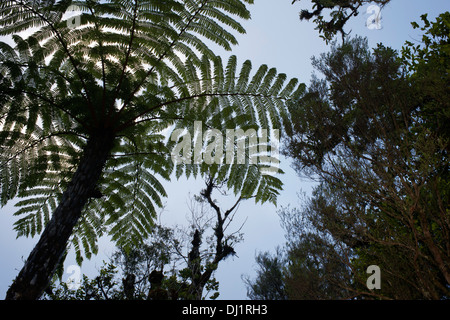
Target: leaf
140,69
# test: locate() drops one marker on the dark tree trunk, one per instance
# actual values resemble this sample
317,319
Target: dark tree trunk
194,264
42,262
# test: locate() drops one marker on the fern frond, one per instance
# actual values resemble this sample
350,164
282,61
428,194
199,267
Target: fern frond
139,68
235,99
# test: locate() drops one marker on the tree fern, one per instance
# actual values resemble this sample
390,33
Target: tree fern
84,108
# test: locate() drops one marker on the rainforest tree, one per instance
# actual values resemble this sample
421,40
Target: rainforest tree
88,91
373,132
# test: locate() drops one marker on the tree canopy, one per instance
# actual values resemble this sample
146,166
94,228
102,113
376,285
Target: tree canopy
371,132
89,89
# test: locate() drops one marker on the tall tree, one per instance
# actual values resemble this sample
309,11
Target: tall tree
373,133
86,96
375,140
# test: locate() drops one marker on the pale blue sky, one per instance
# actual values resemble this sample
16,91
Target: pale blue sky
276,37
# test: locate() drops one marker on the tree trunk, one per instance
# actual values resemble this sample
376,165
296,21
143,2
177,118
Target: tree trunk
42,262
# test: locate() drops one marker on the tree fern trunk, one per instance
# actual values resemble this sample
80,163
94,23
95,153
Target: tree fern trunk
40,266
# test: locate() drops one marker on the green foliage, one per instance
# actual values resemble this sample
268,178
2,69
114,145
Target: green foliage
269,283
162,252
340,11
373,133
257,100
428,66
90,289
138,69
